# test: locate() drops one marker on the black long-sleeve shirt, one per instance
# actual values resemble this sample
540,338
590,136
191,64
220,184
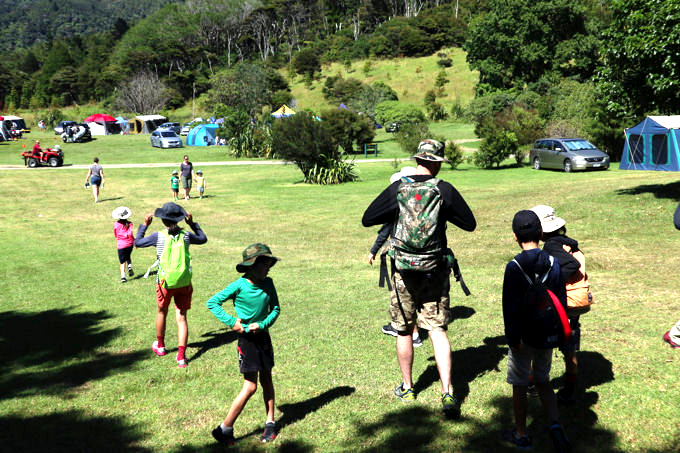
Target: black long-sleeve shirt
384,209
568,264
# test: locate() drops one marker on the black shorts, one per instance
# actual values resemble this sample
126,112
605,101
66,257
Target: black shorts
124,255
255,352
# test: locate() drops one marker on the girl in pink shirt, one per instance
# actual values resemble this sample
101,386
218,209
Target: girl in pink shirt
122,230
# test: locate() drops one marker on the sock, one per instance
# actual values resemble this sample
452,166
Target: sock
226,430
161,342
180,352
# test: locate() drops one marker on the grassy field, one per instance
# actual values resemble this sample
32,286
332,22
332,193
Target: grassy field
80,375
119,149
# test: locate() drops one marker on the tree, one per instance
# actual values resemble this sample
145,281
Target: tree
246,86
306,63
518,41
303,140
144,93
394,111
348,128
640,72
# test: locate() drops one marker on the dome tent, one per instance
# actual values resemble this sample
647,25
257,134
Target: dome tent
202,135
653,144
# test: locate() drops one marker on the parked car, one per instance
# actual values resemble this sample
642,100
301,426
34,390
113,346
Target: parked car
165,138
188,126
568,154
392,127
60,127
172,126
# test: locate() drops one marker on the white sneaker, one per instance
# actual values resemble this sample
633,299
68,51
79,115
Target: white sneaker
156,349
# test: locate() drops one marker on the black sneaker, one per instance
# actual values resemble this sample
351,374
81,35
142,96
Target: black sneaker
417,342
387,329
565,397
532,391
130,271
269,432
559,438
510,437
123,279
223,438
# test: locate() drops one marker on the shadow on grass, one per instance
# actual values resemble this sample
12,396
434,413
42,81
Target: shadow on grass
70,431
101,200
419,429
468,364
670,191
212,340
293,413
55,351
287,446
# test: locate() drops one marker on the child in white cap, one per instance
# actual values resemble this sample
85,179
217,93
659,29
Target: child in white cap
125,237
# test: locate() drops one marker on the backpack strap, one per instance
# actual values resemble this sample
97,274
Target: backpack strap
537,277
384,276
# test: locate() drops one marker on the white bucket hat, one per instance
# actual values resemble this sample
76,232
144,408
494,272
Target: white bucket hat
406,171
121,213
549,221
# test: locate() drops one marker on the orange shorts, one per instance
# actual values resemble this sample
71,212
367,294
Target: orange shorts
182,296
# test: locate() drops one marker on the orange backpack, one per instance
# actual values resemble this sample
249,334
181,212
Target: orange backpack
579,297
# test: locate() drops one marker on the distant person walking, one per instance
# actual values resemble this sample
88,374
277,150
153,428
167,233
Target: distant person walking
186,169
95,178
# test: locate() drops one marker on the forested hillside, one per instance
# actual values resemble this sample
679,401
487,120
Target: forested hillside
562,67
25,22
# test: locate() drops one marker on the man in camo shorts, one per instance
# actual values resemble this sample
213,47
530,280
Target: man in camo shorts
422,298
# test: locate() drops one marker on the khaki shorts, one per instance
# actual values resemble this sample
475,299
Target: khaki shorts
422,298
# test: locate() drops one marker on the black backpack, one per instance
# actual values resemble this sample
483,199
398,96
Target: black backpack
545,320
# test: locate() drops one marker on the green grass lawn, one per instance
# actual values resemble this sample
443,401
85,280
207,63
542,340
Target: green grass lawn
80,374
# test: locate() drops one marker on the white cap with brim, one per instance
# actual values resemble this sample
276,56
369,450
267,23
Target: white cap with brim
549,221
121,213
406,171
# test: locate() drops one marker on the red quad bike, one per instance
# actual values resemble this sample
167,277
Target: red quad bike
51,157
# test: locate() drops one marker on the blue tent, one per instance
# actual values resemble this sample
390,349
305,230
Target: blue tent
202,135
653,144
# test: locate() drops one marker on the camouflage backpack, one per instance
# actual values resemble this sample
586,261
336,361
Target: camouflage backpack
417,237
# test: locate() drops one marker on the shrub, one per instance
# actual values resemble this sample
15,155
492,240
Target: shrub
454,154
445,62
53,117
410,135
394,111
309,144
306,63
495,149
348,128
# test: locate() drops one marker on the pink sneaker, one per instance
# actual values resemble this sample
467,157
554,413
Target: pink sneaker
182,363
667,339
156,349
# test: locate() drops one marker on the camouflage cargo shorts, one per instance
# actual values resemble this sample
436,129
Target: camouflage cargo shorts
422,299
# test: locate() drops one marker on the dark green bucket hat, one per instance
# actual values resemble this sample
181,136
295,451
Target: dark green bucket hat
251,253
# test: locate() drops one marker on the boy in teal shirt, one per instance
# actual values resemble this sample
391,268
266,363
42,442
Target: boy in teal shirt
257,307
174,185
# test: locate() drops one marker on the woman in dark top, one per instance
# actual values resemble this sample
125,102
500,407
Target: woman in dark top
186,170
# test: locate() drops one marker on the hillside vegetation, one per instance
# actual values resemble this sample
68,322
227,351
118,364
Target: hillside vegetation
410,78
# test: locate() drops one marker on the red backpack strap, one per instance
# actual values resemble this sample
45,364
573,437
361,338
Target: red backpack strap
564,320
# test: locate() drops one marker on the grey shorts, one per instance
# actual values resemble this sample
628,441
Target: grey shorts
519,365
186,182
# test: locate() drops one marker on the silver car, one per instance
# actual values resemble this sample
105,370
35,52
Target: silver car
567,154
165,138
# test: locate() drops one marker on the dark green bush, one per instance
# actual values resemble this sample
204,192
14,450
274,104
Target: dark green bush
309,144
495,149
